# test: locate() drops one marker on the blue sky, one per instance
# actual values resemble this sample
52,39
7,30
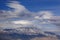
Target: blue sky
36,5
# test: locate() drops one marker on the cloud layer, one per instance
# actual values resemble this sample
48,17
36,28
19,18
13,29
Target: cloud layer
26,18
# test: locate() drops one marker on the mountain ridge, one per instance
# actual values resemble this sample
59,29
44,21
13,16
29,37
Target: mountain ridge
26,34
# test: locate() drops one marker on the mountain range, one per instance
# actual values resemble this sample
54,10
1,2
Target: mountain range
27,33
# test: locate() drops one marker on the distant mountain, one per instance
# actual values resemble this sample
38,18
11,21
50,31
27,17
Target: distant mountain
27,33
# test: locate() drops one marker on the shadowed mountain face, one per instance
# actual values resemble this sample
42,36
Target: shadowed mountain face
27,33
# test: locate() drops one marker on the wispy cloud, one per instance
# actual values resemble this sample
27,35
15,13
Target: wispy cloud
18,10
55,20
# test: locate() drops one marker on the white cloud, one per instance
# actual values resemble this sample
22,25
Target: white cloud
37,17
45,14
9,25
18,10
23,22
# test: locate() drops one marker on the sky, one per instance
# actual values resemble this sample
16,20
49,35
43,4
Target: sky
36,5
44,14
